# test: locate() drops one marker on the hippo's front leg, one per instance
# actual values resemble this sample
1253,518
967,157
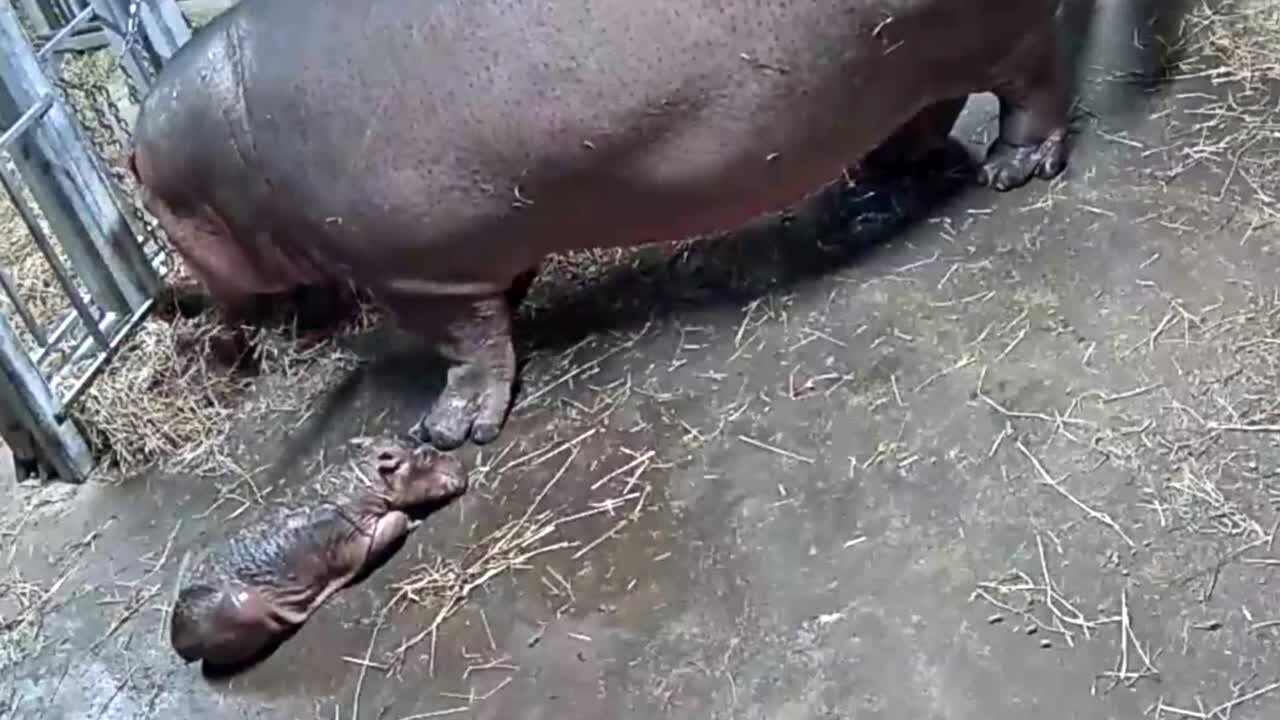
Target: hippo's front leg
474,334
1033,116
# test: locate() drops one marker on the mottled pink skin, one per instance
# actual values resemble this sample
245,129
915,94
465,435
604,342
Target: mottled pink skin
270,577
435,152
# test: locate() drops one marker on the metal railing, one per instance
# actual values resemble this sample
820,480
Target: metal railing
77,223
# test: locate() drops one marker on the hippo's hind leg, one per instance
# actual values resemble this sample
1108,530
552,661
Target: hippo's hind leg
474,334
1034,101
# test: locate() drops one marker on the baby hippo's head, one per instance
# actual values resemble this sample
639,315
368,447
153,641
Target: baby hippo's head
223,626
415,479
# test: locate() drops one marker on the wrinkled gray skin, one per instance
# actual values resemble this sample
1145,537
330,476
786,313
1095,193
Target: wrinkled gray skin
434,152
242,596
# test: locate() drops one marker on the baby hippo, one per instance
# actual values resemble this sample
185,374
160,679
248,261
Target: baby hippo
248,594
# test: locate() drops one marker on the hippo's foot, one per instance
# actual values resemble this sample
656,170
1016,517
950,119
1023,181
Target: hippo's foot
473,405
1010,166
1034,100
477,392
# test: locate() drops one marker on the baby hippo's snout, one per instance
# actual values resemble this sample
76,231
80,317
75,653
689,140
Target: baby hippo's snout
266,580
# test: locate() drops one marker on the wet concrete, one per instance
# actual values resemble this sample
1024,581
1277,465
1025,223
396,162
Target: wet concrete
827,482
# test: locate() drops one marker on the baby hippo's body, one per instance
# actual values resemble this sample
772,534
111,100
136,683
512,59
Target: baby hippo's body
270,577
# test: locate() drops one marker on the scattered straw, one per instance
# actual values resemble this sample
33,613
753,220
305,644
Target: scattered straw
447,583
24,603
1232,47
508,548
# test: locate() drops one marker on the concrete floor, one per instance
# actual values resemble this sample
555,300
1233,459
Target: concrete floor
827,488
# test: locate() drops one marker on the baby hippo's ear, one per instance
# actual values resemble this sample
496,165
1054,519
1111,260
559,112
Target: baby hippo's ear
389,460
386,456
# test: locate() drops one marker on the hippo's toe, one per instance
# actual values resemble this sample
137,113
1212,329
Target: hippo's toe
472,406
1011,166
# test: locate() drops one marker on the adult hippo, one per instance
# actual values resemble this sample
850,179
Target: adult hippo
434,152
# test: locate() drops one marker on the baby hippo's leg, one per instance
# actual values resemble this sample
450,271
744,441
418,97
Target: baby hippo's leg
391,528
364,553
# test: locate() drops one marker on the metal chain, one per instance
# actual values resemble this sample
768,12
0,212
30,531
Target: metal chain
145,223
131,25
105,127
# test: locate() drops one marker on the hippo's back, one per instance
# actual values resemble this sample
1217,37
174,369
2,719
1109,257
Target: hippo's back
191,126
382,135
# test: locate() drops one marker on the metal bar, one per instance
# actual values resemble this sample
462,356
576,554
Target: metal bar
58,13
28,118
33,326
25,395
91,36
83,348
61,35
121,337
35,15
69,183
46,249
67,323
164,26
79,344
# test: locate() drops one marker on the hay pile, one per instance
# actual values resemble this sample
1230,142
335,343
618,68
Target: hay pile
174,395
163,399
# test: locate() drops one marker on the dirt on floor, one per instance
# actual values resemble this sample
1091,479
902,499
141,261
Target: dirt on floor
914,452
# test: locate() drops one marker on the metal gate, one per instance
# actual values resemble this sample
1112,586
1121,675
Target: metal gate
96,253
